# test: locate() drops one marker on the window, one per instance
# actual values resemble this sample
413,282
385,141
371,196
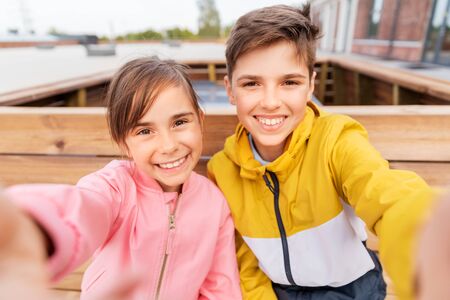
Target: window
374,18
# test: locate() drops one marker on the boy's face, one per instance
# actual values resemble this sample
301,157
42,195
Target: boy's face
167,141
270,87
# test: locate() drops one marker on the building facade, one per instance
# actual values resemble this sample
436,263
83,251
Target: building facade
410,30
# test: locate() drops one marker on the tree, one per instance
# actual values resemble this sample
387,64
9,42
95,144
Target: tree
144,35
227,30
177,33
209,20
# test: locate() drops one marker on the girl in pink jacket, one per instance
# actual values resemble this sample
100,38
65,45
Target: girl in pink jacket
151,214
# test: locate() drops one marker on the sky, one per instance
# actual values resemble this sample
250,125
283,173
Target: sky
116,17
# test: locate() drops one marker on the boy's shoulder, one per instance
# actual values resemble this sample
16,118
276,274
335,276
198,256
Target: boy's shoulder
330,125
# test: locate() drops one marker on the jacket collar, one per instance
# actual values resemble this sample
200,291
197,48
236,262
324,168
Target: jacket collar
238,149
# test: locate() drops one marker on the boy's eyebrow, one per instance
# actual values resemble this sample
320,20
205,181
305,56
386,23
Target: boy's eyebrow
250,77
294,75
256,77
176,116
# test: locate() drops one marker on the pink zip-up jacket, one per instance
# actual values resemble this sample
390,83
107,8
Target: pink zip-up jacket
183,245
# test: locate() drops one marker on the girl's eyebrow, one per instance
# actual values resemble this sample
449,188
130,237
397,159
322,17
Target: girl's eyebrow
183,114
174,117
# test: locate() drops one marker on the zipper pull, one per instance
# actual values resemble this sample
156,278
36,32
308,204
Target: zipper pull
171,234
171,221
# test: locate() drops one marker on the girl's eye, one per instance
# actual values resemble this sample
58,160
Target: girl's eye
180,122
144,131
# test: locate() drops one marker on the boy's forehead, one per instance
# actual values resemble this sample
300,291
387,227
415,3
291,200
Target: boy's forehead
282,56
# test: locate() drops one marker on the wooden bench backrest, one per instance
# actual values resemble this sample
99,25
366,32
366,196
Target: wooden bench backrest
63,144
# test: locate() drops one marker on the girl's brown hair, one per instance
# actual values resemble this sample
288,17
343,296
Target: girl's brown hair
134,88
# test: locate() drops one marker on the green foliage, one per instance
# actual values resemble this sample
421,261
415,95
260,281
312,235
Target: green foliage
149,34
227,30
209,20
177,33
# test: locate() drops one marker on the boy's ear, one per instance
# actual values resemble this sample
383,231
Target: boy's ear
311,86
229,90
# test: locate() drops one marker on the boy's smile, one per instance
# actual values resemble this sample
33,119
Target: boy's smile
270,87
167,142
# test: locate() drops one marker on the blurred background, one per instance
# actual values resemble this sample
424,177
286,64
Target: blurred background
372,52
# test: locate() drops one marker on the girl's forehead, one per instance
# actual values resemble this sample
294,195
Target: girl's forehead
170,101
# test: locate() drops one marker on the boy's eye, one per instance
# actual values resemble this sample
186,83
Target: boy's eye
291,82
144,131
249,84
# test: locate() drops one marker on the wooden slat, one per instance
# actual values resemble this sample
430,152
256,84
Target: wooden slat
402,134
16,169
71,282
434,173
65,295
55,131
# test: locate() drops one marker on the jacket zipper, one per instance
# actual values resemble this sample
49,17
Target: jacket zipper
275,189
170,236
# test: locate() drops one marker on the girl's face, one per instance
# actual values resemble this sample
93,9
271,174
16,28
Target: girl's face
166,144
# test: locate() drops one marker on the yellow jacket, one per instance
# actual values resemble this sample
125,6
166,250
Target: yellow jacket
327,164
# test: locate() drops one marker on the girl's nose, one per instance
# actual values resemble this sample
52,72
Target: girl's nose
167,143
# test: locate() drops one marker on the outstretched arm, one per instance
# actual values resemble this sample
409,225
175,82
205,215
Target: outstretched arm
433,260
392,203
22,255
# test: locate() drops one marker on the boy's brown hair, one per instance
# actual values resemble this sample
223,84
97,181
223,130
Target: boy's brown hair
266,26
134,88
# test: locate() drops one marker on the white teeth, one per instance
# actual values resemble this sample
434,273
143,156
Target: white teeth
173,164
270,122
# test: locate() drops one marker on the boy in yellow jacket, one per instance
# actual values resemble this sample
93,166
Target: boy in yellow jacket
296,177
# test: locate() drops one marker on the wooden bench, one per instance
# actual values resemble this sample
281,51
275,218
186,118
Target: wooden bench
59,145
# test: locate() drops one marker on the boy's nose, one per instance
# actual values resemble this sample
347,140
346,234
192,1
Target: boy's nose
270,100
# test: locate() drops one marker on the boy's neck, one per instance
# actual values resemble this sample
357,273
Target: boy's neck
268,154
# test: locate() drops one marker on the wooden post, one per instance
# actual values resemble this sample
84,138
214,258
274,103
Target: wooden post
357,91
212,72
78,98
366,92
338,85
323,81
395,94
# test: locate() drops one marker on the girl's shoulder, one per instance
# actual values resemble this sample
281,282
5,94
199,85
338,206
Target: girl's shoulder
203,187
116,172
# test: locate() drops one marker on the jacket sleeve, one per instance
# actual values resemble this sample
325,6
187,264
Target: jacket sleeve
222,281
255,284
392,203
77,218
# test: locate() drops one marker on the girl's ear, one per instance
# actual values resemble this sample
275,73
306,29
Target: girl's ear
201,118
229,90
125,152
